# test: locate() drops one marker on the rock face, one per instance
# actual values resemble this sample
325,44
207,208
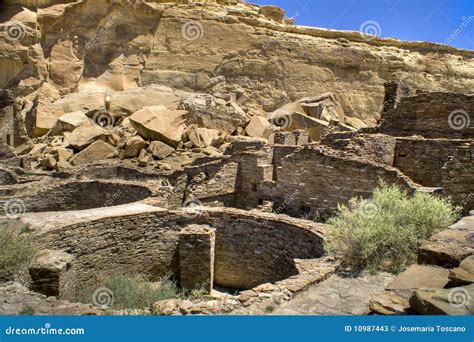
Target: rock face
269,62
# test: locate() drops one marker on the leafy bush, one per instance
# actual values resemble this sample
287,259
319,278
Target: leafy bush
386,231
16,251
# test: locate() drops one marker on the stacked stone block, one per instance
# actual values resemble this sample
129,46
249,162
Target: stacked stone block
196,257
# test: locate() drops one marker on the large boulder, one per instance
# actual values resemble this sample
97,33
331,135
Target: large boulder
46,111
449,247
324,107
159,123
420,276
203,137
211,112
160,150
456,301
294,121
464,274
259,127
96,151
133,147
86,134
69,122
389,303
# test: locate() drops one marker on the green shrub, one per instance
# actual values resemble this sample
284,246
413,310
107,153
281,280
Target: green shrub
386,231
135,292
16,252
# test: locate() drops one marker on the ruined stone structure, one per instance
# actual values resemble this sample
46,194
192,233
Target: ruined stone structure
209,158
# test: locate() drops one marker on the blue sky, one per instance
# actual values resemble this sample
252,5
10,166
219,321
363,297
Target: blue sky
443,21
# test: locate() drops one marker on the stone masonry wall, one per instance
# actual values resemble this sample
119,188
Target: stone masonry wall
434,115
458,177
85,195
423,159
315,179
379,148
251,248
196,257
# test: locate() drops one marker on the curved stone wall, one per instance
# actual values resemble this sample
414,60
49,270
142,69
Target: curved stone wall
251,248
85,195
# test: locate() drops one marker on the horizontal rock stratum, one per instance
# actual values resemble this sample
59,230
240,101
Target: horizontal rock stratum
214,47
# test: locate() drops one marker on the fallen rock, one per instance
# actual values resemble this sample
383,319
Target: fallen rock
203,137
389,303
449,247
166,307
355,123
160,150
86,134
159,123
69,122
296,121
420,276
6,151
464,274
37,149
96,151
455,301
144,158
210,112
325,107
259,127
133,147
49,162
46,111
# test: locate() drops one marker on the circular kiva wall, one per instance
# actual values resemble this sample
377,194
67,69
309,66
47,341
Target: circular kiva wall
85,195
250,248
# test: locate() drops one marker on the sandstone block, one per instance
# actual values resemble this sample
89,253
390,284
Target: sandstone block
160,150
159,123
48,270
96,151
133,147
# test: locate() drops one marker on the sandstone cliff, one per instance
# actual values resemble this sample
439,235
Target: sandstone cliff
216,47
